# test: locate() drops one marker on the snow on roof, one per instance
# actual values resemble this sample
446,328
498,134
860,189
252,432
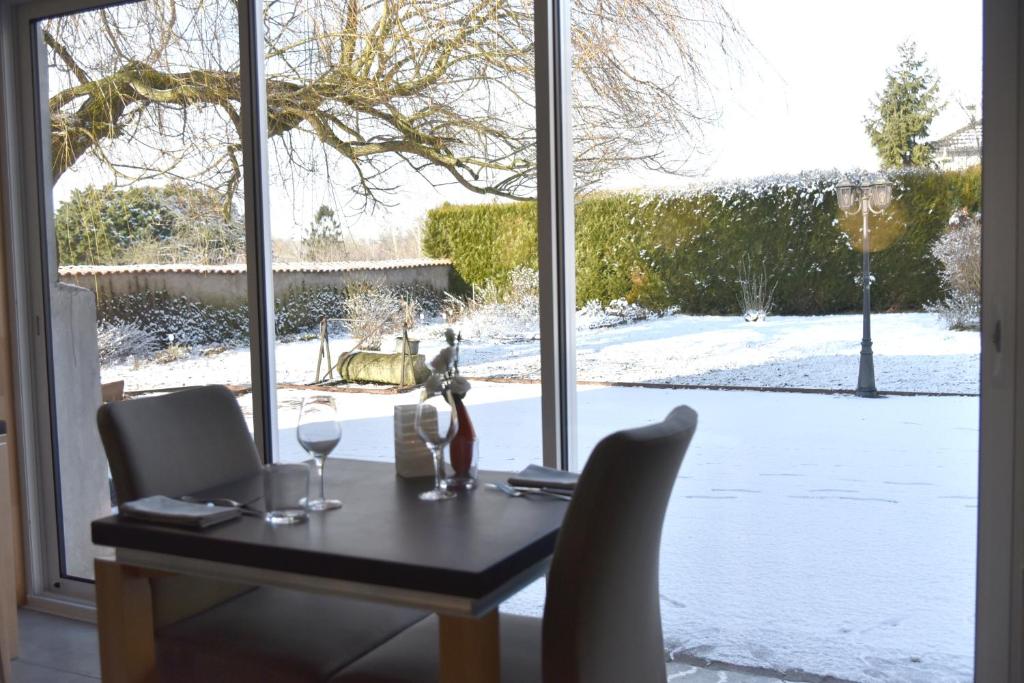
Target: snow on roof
963,141
295,267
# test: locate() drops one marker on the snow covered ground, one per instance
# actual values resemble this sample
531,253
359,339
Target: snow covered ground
825,534
813,533
913,352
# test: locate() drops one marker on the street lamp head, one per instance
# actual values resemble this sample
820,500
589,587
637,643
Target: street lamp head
880,194
848,194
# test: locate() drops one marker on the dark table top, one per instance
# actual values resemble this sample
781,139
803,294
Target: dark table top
383,534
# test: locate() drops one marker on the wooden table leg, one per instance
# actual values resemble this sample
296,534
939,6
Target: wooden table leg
470,649
124,620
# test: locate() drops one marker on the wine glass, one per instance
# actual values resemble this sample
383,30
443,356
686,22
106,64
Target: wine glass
437,423
319,432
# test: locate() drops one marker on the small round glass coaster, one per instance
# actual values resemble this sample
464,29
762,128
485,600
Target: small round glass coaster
437,494
284,517
322,504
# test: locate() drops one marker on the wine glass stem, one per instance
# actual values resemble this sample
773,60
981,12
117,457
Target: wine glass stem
320,475
438,466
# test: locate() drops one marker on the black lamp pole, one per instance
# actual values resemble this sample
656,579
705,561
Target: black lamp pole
866,375
868,198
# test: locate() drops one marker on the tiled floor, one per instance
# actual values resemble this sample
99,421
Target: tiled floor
55,650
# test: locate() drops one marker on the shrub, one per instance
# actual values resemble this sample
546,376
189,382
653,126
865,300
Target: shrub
373,310
618,312
168,224
683,249
959,252
756,291
117,342
176,320
301,309
505,311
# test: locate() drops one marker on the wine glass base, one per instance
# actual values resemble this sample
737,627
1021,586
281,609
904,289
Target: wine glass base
286,517
322,504
437,494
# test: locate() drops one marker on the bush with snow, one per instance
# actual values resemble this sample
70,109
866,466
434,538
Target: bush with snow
373,310
618,312
959,253
756,291
117,342
505,312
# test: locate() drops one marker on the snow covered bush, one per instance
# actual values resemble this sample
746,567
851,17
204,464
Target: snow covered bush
301,309
509,312
618,312
959,253
117,342
373,310
756,291
180,320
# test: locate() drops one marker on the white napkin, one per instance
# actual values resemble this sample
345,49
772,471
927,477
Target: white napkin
545,477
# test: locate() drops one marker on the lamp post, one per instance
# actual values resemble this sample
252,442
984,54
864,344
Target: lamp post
868,198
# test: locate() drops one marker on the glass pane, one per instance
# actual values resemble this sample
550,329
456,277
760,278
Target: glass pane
147,289
396,130
810,530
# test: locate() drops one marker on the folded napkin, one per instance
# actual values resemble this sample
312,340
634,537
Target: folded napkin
545,477
164,510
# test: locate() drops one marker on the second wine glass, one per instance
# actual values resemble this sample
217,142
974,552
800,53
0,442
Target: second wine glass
319,432
437,423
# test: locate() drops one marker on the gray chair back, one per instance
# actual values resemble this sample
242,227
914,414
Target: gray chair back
177,443
602,620
173,445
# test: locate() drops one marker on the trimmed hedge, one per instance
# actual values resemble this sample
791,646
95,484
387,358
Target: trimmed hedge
683,249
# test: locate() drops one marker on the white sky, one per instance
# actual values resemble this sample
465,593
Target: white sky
800,102
797,103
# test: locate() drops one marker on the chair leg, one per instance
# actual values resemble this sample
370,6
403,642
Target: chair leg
124,620
470,649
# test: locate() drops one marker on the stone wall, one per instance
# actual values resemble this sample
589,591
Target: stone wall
226,285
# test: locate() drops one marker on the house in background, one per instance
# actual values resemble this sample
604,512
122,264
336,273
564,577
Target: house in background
960,149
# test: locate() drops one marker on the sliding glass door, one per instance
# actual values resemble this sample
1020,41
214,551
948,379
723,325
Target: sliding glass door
141,239
716,267
385,118
208,176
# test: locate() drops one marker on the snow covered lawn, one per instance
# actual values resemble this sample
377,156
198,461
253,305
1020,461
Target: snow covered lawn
913,352
826,534
813,533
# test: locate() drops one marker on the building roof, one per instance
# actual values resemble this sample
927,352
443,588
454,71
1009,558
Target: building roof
965,141
295,267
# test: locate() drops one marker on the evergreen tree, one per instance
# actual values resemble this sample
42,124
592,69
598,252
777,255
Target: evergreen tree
904,110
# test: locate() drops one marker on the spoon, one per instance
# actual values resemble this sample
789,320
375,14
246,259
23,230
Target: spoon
504,488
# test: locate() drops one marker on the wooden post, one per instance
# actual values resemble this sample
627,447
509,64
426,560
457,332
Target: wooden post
124,620
470,649
320,352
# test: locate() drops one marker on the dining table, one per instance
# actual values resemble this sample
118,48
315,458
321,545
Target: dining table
460,558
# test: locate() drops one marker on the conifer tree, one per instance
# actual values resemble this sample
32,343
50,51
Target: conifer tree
903,111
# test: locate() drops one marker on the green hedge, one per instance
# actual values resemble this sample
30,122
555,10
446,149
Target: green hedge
683,249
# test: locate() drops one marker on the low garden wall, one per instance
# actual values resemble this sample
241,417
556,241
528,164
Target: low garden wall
223,286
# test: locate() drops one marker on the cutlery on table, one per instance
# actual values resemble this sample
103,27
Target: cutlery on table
518,491
222,502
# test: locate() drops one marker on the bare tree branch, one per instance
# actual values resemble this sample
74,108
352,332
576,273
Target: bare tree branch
444,87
